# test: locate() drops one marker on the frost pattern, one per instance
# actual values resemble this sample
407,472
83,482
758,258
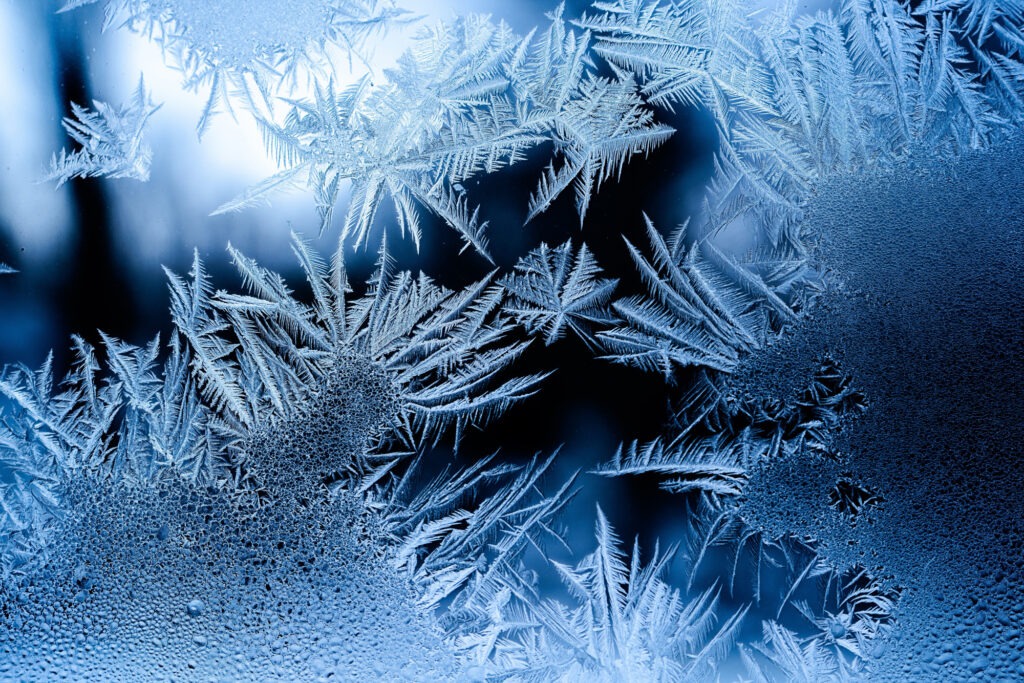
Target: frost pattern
110,140
798,100
467,552
469,98
236,362
723,437
702,307
797,97
935,360
555,290
624,623
279,416
246,53
260,425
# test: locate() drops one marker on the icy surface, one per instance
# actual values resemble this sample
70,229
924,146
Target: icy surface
925,314
278,580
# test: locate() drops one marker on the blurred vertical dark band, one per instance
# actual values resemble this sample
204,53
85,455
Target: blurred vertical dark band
94,292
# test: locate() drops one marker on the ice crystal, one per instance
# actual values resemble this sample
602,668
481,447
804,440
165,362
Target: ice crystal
555,290
247,53
469,98
110,140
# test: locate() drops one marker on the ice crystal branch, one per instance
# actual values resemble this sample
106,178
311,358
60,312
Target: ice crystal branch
469,98
555,289
110,139
702,307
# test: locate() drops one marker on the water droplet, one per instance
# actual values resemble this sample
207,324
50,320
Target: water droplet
195,608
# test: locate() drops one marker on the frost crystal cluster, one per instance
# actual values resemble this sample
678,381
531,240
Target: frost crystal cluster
110,139
264,495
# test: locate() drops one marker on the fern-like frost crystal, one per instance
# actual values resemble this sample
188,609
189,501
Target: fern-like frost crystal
703,307
110,141
244,54
469,98
557,289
